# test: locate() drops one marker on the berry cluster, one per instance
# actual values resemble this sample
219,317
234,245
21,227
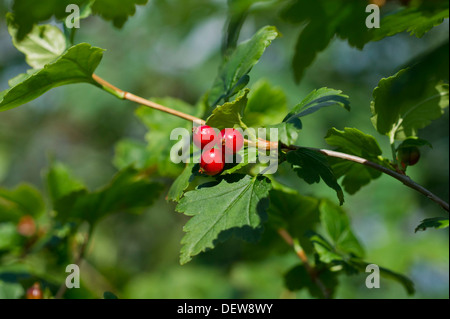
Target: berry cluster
212,160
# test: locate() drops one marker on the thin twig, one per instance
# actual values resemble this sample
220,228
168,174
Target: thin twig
131,97
406,180
268,145
302,256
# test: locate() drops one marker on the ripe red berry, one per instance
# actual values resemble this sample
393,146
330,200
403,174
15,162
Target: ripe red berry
34,292
232,140
203,135
408,155
212,162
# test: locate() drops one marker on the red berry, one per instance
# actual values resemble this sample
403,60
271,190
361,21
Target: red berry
203,135
34,292
408,155
232,140
26,226
212,162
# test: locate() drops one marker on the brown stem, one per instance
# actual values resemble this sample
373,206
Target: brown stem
267,144
406,180
302,256
137,99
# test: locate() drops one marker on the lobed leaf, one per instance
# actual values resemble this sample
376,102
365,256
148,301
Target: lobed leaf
229,114
42,45
265,104
326,19
412,98
233,74
220,209
415,19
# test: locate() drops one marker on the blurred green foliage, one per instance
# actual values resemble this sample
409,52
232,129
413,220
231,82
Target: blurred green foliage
173,49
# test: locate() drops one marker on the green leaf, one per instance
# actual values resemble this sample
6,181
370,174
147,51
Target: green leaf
9,237
223,207
128,191
27,13
415,19
312,166
23,200
337,227
237,14
229,114
296,213
412,98
11,290
74,66
42,45
413,141
326,19
246,156
19,78
436,222
266,104
324,249
354,142
116,10
298,278
288,133
316,100
233,73
314,38
355,175
128,152
156,154
61,182
178,187
30,12
340,244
